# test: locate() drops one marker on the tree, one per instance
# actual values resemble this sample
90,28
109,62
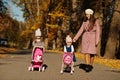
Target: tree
3,9
112,45
56,17
9,28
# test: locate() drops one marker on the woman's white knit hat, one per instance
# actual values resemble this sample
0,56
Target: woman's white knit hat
89,11
68,39
38,32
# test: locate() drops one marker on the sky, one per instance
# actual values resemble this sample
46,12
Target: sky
16,12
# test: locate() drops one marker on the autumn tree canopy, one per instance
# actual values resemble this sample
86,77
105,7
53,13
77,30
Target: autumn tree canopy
56,18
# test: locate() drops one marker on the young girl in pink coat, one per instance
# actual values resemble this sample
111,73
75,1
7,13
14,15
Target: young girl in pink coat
91,33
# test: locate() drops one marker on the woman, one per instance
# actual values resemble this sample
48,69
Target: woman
91,31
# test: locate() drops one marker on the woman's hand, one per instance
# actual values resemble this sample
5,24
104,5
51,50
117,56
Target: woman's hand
74,40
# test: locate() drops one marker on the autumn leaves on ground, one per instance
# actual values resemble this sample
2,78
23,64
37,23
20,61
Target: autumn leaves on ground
113,63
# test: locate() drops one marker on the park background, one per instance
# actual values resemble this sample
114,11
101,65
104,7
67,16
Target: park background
20,18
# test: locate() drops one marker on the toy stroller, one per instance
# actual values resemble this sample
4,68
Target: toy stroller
68,61
67,58
37,60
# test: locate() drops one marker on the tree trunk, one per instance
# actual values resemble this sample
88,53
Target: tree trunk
38,9
111,45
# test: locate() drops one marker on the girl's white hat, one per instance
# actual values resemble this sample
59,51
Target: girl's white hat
68,39
89,11
38,32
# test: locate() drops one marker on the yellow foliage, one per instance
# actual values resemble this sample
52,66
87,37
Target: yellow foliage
56,14
50,36
51,25
28,5
4,50
26,33
46,4
113,63
1,28
35,26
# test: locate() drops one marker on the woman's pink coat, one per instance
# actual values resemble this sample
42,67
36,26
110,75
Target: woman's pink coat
89,38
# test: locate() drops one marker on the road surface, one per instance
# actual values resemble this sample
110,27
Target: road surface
15,67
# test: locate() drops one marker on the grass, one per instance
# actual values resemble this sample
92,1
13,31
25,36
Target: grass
4,50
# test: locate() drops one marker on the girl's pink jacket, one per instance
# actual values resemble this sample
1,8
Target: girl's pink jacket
89,38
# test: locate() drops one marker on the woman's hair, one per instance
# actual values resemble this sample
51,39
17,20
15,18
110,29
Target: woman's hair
91,21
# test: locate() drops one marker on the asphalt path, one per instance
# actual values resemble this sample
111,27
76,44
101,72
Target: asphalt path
15,67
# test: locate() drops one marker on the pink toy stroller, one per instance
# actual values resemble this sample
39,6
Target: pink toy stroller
67,58
68,61
37,60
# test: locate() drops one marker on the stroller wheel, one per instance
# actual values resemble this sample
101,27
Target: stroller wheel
29,68
43,69
32,69
71,72
39,69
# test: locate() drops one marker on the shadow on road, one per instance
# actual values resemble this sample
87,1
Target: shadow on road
81,66
37,69
116,71
86,68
